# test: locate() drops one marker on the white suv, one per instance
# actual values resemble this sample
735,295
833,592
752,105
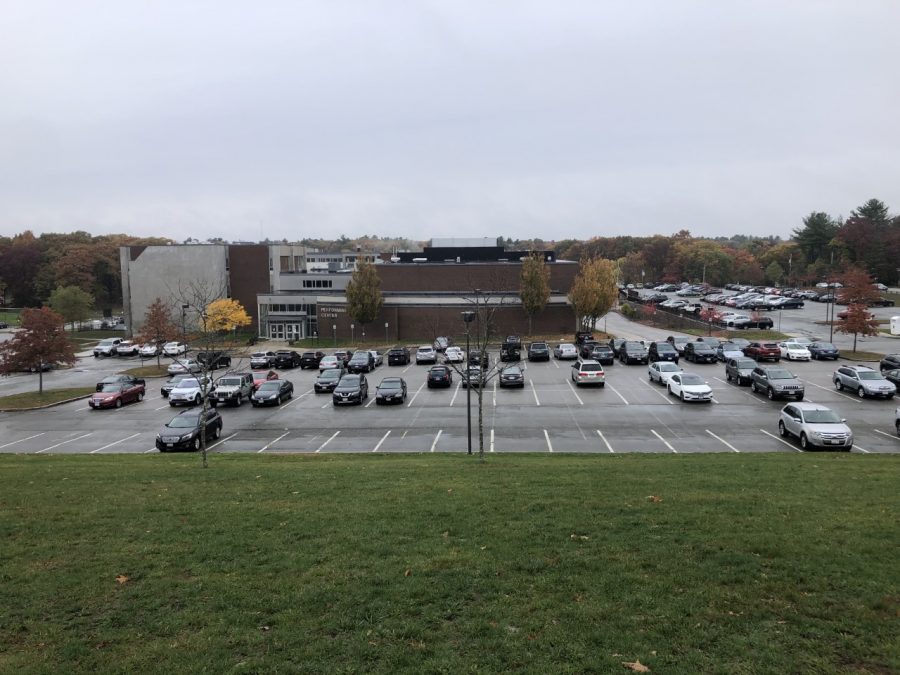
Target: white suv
815,425
426,354
588,371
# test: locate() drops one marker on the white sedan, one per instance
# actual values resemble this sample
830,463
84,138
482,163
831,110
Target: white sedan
565,350
329,362
662,371
149,350
174,348
690,387
453,355
793,351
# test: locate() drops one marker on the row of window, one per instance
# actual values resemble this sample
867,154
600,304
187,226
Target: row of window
309,309
317,283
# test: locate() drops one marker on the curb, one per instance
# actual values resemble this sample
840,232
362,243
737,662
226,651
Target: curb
49,405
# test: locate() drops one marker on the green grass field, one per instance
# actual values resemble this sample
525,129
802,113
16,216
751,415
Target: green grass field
33,399
435,563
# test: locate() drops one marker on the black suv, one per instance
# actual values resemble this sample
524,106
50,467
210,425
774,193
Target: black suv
183,431
633,352
213,360
511,349
663,351
398,356
285,358
700,352
739,369
602,353
890,362
351,389
328,379
311,360
583,336
361,362
538,351
479,358
439,376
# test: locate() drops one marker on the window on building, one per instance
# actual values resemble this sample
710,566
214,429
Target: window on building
285,263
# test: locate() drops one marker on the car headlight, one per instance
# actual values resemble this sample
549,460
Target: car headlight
187,437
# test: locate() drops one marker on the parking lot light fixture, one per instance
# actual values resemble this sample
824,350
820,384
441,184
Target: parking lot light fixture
334,333
468,317
387,339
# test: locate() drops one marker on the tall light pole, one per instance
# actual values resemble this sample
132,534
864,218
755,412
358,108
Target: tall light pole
387,340
334,333
184,308
352,333
468,317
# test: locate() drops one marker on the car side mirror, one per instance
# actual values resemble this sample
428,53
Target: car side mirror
796,419
843,421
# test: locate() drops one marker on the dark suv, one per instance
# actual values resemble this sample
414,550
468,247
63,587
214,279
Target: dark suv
633,352
361,362
439,376
311,360
183,431
511,349
739,369
700,352
603,353
776,382
213,360
285,358
663,351
538,351
398,356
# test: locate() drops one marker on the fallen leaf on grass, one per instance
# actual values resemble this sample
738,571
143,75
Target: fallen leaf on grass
121,579
655,499
636,666
445,535
450,491
578,537
264,628
408,572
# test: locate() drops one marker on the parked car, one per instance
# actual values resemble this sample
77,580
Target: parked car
231,389
538,351
150,350
776,382
880,302
3,325
602,353
794,351
398,356
616,344
889,362
479,358
565,351
328,380
174,348
763,351
287,358
729,350
511,351
897,420
426,354
587,371
473,376
823,350
678,341
121,378
377,358
344,355
272,392
172,382
893,376
260,376
214,360
352,388
739,369
361,362
439,376
183,432
311,359
188,392
815,426
511,376
864,381
127,348
107,347
440,343
662,371
390,390
633,352
662,351
454,355
330,363
585,348
699,352
689,387
262,360
583,336
184,366
116,394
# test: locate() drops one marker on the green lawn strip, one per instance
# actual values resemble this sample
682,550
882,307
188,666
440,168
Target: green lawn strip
764,563
862,356
147,371
33,399
747,334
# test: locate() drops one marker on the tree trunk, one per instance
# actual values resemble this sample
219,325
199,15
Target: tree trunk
480,420
854,342
40,379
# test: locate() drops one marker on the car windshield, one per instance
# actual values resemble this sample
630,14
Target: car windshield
821,417
230,382
589,367
710,342
633,347
692,379
110,387
823,345
390,384
515,370
668,367
777,374
539,345
282,353
258,355
702,347
183,422
350,380
664,347
188,383
793,346
271,385
440,370
330,374
869,375
745,363
107,342
681,340
770,345
309,355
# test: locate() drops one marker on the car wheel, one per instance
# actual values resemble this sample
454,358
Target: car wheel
727,376
804,442
217,431
838,385
681,396
770,393
239,400
861,392
781,429
277,400
753,387
197,443
649,377
141,396
118,403
171,404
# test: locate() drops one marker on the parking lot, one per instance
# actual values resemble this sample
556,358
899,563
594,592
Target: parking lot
549,415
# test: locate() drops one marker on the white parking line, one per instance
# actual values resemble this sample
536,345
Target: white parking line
163,407
153,449
23,439
534,391
555,363
409,405
407,368
331,438
547,436
455,392
574,392
112,444
722,440
603,438
370,402
294,399
668,445
220,441
64,442
616,392
859,447
492,439
667,399
383,438
781,440
436,439
834,391
495,394
269,445
877,431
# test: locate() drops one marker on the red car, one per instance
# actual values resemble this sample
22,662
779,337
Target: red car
762,351
116,394
260,376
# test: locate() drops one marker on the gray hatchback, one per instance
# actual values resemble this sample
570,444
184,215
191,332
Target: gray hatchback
739,369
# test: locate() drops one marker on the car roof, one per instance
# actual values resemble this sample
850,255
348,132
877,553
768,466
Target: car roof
806,405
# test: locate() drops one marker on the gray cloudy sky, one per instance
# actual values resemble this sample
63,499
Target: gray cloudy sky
419,119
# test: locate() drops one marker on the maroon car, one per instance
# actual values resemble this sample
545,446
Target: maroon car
116,394
762,351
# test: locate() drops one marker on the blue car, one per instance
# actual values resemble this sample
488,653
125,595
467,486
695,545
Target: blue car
823,350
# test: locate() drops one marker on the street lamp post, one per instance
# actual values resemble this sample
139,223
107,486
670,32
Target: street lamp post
387,339
352,333
468,317
334,333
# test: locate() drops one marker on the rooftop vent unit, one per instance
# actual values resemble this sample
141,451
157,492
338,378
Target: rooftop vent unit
395,258
420,260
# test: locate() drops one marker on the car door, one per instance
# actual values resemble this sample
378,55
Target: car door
675,384
788,416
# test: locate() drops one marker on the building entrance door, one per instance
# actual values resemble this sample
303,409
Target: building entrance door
276,331
294,331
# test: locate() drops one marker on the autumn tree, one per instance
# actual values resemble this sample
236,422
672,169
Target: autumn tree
858,287
534,287
41,343
226,314
859,321
364,298
158,326
593,292
72,303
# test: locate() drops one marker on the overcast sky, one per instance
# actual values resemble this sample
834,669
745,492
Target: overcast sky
524,119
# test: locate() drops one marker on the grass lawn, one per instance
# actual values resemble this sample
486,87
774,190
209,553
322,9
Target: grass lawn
861,356
148,371
752,334
436,563
32,399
